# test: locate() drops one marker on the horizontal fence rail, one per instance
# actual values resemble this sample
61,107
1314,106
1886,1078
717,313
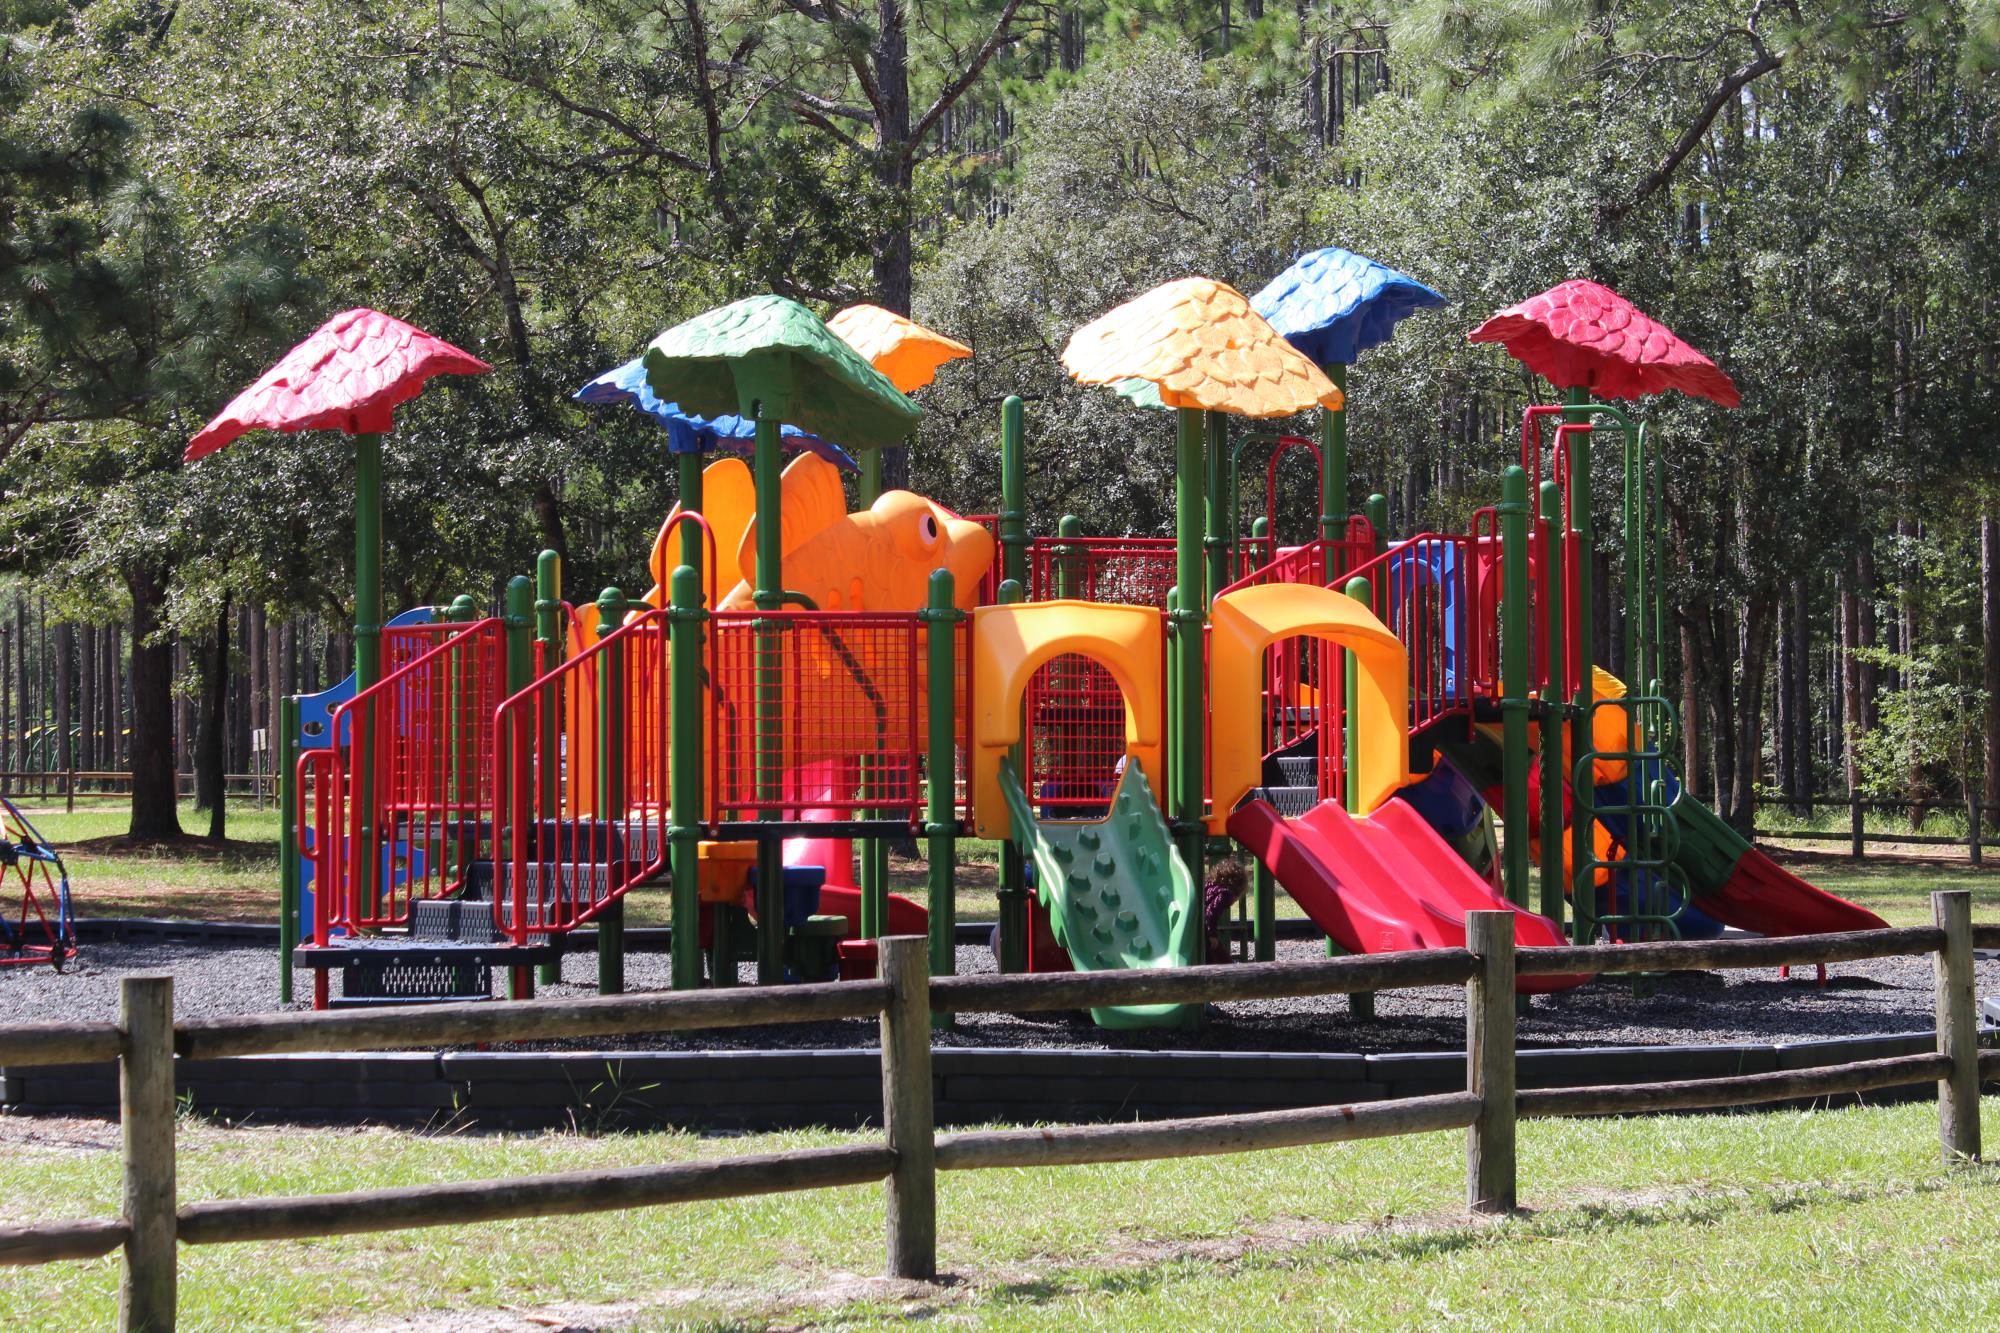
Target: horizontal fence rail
910,1152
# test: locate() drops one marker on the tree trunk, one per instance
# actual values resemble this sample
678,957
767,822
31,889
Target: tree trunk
65,674
86,679
210,750
1783,701
1989,635
155,817
1754,642
893,173
1803,777
1869,677
1850,678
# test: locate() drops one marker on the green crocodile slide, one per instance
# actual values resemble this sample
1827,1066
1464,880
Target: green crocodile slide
1118,893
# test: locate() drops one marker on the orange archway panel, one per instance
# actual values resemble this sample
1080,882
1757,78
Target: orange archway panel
1010,643
1250,620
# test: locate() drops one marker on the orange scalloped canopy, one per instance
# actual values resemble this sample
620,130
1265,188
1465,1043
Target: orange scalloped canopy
349,375
1202,344
904,350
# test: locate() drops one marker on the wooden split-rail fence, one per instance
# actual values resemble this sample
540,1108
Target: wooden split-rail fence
910,1151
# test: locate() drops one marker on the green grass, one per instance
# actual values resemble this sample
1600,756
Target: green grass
1830,1219
1898,889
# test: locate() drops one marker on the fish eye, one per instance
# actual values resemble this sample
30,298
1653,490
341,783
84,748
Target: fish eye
929,528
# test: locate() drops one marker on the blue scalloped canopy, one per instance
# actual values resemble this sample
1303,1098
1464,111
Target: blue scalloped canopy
1333,304
688,433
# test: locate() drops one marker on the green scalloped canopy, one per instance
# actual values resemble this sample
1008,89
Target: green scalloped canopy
1140,393
772,351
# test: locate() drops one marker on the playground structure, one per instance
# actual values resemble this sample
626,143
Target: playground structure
802,684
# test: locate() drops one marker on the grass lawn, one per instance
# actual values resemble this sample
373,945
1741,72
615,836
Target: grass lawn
1829,1219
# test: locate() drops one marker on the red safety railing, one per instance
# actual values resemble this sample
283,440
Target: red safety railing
841,687
1327,564
399,800
581,821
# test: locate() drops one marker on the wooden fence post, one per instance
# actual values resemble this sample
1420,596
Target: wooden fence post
907,1113
146,1122
1957,1028
1489,1062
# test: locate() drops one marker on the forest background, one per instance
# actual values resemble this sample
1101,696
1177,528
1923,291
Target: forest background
1809,192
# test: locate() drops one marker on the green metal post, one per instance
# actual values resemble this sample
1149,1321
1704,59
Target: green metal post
611,608
1013,518
1186,619
873,852
770,697
284,748
1377,509
1554,891
1260,527
1583,898
367,647
367,560
1215,517
1068,528
1513,512
551,634
684,740
519,606
1013,535
940,813
1013,869
1333,460
688,467
1360,1004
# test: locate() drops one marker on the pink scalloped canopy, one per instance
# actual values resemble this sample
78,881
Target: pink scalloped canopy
349,376
1582,335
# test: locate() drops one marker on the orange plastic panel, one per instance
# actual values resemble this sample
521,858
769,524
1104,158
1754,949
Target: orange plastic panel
1009,643
1250,620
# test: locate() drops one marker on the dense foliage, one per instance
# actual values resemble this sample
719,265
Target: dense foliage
1805,190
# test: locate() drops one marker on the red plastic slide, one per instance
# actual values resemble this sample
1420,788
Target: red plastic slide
1383,882
1763,896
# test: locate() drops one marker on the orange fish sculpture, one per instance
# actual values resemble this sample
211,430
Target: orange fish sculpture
843,682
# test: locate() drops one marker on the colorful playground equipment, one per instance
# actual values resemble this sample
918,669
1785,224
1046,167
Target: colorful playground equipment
36,923
806,680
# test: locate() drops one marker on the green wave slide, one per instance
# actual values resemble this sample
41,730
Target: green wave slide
1118,894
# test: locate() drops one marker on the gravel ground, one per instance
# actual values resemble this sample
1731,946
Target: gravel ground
1880,996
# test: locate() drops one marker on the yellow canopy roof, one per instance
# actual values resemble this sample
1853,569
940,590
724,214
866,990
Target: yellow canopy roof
1202,344
904,350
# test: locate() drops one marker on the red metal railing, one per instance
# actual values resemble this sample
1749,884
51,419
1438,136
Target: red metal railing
398,803
840,687
580,823
1074,737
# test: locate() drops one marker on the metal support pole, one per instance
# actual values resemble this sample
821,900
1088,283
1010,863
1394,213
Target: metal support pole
684,740
1013,867
550,638
941,812
291,889
1215,516
1186,620
769,709
1377,509
1513,513
873,853
1333,461
1554,890
519,605
611,682
367,560
1361,1004
1583,892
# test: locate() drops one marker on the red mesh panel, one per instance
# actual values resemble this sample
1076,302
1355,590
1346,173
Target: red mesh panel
406,783
840,687
1075,737
581,821
1132,571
